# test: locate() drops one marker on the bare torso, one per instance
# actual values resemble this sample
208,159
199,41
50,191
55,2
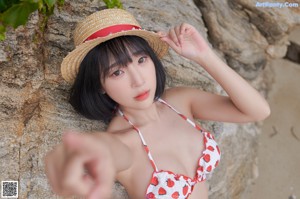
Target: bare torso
174,144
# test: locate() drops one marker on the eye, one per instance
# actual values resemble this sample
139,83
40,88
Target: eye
117,73
142,59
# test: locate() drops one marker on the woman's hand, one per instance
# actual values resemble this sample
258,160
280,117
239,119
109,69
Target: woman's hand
187,42
82,166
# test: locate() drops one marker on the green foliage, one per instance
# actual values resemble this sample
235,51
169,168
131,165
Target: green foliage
2,29
113,3
15,13
4,4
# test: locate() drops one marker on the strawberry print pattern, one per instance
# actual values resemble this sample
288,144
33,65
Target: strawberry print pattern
166,184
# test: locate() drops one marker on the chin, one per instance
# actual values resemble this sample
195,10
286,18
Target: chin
147,103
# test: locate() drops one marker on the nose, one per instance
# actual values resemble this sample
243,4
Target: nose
137,78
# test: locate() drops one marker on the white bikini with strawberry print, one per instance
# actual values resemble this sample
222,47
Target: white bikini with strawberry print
166,184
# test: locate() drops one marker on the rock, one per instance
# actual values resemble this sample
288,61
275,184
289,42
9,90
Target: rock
292,197
33,97
248,31
293,52
276,52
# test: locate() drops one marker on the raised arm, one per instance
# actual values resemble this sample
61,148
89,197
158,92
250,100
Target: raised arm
243,104
86,164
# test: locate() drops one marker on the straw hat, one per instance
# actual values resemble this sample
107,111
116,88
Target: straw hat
100,27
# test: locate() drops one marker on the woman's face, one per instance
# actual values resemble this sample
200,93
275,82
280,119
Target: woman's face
134,85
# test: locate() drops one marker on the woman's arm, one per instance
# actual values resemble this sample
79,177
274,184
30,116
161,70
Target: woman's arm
243,104
86,164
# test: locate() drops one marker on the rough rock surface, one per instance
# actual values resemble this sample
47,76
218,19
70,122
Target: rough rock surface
33,96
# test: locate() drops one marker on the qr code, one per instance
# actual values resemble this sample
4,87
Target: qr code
9,189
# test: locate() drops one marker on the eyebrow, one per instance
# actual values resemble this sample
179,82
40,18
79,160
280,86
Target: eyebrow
114,65
136,53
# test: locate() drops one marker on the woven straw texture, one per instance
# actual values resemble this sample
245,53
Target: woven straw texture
96,22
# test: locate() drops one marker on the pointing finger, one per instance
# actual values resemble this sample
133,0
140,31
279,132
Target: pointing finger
75,180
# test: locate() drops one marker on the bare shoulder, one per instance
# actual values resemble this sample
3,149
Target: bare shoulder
180,92
122,130
181,98
117,124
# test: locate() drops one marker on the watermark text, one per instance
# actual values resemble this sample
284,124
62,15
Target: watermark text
277,4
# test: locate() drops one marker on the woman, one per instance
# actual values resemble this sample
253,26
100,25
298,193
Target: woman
152,145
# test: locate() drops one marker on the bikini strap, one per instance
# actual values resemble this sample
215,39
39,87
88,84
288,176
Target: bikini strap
142,139
181,115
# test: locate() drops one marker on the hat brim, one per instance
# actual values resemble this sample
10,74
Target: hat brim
70,64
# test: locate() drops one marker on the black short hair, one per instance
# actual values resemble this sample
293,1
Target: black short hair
86,97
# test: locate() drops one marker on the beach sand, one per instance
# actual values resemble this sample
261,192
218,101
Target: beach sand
279,142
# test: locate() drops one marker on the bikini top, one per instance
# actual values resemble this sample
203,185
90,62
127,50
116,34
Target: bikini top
166,184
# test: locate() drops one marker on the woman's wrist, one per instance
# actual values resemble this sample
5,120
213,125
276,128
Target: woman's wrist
207,59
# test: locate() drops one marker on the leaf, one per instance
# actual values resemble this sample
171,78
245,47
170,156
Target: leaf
2,36
41,4
2,32
50,3
117,3
5,4
113,3
60,2
18,14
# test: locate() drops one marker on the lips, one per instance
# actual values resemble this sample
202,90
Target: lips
142,96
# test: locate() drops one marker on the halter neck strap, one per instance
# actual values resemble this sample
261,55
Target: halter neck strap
142,139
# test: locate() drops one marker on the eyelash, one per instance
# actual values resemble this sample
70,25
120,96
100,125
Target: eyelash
144,59
113,74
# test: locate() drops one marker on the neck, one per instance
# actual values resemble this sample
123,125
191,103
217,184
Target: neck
141,117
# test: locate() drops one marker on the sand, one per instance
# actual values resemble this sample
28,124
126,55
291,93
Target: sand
279,142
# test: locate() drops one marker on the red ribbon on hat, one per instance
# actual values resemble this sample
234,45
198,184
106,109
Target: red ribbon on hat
111,30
